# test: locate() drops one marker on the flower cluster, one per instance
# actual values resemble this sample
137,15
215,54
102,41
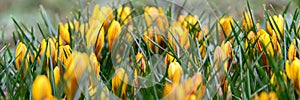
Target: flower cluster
71,58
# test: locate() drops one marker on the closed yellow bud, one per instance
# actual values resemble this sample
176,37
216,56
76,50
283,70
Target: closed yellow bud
249,41
21,56
64,32
220,58
181,19
179,34
269,45
265,42
155,18
169,58
190,22
247,23
274,80
225,27
227,48
141,61
113,33
119,81
107,15
194,86
274,22
48,49
292,51
95,38
56,72
95,65
175,72
124,14
96,16
292,71
203,33
76,66
41,88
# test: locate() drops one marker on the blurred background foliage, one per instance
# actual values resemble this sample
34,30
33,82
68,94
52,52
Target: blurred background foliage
28,11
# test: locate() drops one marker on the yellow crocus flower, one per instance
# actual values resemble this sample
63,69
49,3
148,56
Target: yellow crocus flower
190,22
155,18
292,70
104,15
273,22
77,65
113,33
64,53
174,75
64,32
266,96
95,65
247,22
48,49
219,57
225,27
95,38
169,58
21,56
124,14
41,88
119,81
227,48
175,72
56,72
292,51
107,16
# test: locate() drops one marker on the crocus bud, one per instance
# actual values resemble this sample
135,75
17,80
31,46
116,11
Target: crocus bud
219,57
191,22
274,80
292,51
292,71
56,72
174,75
156,16
107,16
64,32
21,56
169,58
203,33
265,41
179,34
225,27
113,33
175,72
247,23
141,61
124,14
227,48
76,66
276,24
41,88
194,87
119,81
95,38
48,49
95,65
